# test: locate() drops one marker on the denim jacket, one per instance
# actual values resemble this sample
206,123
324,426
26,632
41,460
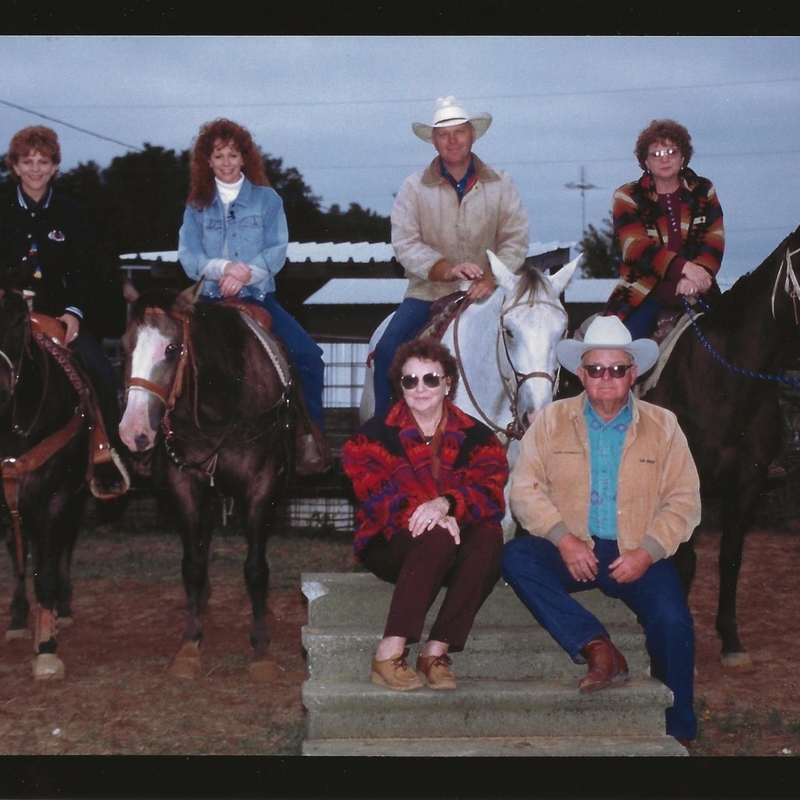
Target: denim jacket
253,231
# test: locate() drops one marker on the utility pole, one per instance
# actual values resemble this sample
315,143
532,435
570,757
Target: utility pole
583,186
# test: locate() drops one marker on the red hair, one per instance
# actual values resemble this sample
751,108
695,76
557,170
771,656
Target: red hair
221,132
36,139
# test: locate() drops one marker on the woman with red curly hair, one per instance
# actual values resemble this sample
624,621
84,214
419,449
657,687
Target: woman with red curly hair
668,225
234,234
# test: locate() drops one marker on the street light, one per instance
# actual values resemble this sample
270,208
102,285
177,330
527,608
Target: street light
583,186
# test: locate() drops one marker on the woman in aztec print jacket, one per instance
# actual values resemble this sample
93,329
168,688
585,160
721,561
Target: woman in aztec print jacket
669,229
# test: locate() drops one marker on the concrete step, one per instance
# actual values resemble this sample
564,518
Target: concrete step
485,708
360,599
547,746
342,653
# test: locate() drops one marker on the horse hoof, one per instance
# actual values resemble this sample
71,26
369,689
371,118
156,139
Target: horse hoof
17,633
738,662
264,671
187,662
48,667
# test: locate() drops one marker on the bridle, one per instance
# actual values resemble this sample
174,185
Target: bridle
168,396
511,386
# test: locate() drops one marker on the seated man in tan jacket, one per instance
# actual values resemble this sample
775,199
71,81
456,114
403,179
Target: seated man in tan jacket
607,488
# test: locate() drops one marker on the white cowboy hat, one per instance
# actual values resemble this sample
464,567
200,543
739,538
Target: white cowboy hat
607,333
450,112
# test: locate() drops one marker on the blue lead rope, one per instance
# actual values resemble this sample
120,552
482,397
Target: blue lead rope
794,383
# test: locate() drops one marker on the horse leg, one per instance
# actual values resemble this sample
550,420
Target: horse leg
20,607
70,527
686,563
47,556
736,516
196,529
260,516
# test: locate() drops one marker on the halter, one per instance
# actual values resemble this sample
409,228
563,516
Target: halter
791,285
515,428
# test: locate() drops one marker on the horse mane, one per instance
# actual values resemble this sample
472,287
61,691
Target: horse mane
729,308
531,281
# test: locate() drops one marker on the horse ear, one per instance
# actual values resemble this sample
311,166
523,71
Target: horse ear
502,274
560,280
188,297
129,291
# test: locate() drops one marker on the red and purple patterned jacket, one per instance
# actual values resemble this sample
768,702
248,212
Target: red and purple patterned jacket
640,227
390,469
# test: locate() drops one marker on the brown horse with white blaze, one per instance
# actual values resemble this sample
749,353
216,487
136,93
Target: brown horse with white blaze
206,389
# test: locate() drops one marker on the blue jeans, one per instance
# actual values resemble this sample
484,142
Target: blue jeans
536,572
641,322
305,352
407,322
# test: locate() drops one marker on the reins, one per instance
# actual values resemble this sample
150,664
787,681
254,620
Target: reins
792,289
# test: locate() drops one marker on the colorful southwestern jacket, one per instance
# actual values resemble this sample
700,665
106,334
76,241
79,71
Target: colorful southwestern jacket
640,227
390,468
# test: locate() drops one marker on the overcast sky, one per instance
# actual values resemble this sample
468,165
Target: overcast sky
340,109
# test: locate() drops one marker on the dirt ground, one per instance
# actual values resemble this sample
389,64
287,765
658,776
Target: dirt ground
117,698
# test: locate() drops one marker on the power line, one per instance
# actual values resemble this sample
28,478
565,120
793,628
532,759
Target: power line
384,101
70,125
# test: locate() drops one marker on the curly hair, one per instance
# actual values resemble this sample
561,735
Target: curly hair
36,138
663,130
424,348
221,132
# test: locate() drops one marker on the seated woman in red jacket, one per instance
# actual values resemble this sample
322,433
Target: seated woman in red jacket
430,480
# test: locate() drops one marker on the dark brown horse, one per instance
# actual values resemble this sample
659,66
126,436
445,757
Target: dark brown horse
202,386
722,381
45,453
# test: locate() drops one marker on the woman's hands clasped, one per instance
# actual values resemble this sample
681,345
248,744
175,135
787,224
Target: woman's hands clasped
430,514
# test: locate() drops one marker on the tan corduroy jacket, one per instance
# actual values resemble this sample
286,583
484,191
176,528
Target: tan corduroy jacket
658,496
432,231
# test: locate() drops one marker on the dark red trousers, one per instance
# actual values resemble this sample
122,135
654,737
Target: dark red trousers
420,566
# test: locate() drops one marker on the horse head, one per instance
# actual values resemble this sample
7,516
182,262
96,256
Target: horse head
532,321
157,350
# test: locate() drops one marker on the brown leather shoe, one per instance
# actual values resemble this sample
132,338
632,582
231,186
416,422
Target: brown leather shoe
436,671
394,673
607,666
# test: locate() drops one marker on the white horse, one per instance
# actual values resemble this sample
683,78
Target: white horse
505,349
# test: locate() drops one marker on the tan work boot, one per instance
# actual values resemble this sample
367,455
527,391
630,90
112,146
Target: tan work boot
436,671
394,673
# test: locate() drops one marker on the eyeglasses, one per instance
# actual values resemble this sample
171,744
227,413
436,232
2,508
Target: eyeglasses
669,152
615,371
430,379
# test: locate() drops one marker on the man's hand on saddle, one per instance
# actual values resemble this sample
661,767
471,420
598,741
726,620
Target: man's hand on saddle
72,326
630,566
235,277
694,280
579,558
466,271
430,514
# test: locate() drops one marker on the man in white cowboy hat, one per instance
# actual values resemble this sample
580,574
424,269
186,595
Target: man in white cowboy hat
607,488
444,219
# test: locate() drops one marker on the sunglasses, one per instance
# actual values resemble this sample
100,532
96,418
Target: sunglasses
615,371
430,379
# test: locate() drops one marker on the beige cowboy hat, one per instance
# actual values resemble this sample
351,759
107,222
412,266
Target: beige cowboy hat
450,112
607,333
